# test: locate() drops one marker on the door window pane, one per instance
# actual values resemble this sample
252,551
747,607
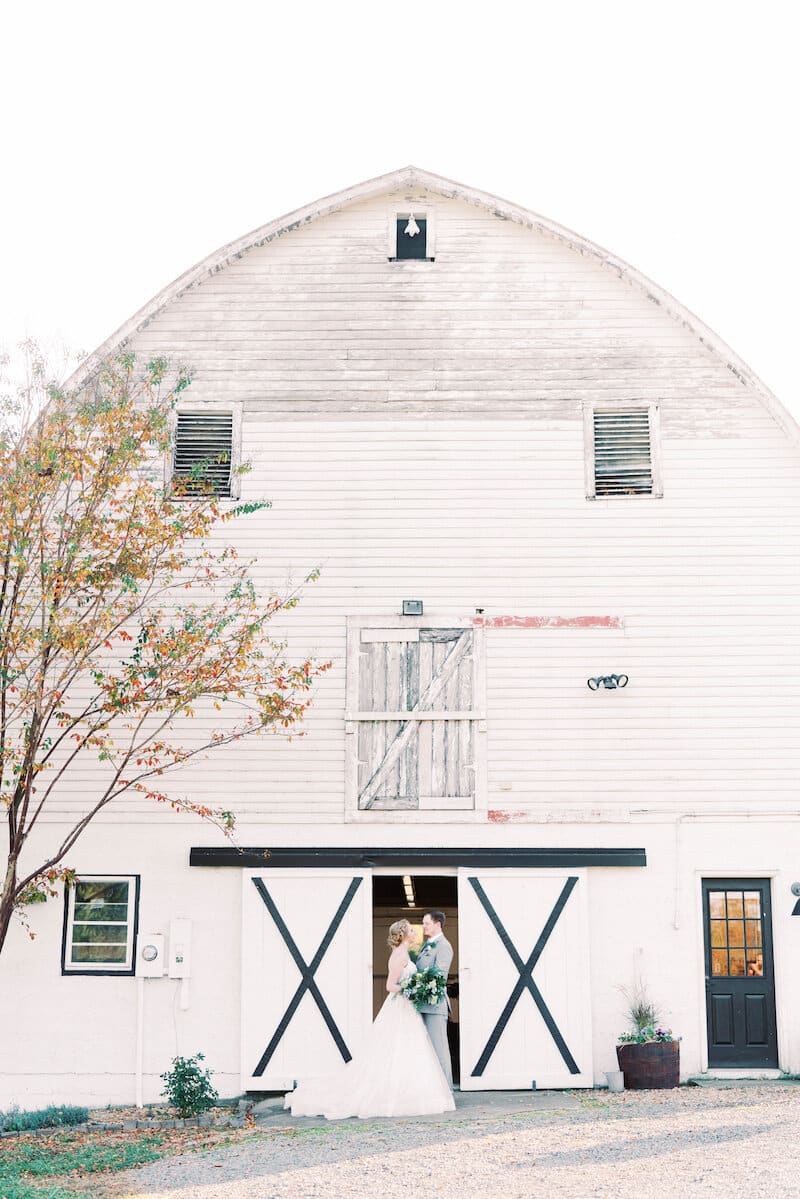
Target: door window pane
752,905
719,934
716,905
737,962
753,932
719,961
735,907
736,932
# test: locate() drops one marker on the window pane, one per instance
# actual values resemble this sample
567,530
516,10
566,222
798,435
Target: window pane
98,953
737,962
755,965
718,936
97,910
736,932
753,931
719,961
752,904
716,904
107,892
100,933
735,909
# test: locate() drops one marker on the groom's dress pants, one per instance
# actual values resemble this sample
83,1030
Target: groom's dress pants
437,1031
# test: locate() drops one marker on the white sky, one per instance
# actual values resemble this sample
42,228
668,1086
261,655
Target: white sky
139,137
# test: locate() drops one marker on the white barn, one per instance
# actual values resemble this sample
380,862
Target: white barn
451,400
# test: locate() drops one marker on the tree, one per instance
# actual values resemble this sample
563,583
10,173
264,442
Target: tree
122,613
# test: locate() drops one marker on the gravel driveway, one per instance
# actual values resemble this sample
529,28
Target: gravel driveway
691,1142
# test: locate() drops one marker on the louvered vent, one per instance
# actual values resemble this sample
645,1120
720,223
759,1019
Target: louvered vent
622,461
203,449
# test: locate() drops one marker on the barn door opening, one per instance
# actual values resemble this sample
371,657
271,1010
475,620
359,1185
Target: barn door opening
740,980
409,897
525,1012
306,973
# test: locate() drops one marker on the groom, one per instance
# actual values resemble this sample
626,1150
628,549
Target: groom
437,951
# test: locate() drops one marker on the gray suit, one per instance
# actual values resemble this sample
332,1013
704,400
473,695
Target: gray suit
438,955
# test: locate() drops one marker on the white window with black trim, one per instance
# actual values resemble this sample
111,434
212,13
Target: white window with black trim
623,453
411,234
415,719
100,923
206,452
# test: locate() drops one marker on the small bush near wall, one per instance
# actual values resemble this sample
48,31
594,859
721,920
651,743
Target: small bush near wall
188,1088
15,1120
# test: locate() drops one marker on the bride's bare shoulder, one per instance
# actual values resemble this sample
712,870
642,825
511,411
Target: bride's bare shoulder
398,956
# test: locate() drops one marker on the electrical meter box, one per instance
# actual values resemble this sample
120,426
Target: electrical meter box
150,955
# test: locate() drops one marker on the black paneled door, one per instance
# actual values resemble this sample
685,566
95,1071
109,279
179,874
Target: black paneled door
740,980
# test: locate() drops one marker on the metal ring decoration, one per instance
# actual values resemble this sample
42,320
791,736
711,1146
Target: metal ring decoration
609,681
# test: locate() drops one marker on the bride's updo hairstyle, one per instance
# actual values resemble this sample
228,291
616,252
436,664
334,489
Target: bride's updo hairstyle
398,932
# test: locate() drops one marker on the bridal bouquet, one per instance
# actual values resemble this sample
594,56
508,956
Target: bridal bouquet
426,986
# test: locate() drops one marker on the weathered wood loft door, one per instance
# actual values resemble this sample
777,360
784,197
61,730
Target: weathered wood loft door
740,977
306,972
415,718
524,997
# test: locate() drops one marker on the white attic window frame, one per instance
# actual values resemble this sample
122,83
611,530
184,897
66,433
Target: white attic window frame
195,407
652,408
403,210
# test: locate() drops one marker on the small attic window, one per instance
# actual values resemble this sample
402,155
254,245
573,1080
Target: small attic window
203,454
623,457
411,236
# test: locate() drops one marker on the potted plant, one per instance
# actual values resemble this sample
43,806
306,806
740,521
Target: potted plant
648,1055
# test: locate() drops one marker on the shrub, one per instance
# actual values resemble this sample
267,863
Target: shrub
188,1087
15,1120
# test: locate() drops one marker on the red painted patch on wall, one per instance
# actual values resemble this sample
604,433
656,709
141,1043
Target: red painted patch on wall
499,816
548,622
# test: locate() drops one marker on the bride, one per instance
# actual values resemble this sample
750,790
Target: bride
397,1072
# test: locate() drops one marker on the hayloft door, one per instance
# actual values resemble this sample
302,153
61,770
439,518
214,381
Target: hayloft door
740,980
524,999
306,973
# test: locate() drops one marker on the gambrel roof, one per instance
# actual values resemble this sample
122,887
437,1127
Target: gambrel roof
414,177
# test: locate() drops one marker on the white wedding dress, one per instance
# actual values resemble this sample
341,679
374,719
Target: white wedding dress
395,1073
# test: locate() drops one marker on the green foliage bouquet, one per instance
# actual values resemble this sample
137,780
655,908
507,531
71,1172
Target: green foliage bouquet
424,987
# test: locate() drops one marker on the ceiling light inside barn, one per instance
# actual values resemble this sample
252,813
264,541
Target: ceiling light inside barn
408,887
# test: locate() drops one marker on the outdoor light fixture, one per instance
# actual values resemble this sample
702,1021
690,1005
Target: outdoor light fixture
609,681
412,228
408,887
412,607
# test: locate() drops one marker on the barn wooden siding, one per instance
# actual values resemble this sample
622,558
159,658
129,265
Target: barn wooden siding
419,429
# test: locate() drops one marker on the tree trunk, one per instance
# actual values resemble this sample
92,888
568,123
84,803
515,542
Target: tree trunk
7,898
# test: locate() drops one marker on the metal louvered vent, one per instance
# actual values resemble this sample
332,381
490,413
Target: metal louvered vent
622,459
203,449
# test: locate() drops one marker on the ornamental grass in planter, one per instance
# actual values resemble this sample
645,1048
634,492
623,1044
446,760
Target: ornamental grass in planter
649,1055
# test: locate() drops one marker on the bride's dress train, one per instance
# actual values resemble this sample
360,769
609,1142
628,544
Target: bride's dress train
395,1073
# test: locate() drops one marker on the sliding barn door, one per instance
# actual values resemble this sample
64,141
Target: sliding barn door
524,1006
306,973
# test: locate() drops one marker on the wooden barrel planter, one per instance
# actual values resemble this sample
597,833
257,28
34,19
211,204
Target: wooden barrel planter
655,1065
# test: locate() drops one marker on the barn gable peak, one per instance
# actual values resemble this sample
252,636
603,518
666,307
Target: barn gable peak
415,177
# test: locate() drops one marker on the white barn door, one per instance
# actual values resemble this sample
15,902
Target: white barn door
524,1000
306,973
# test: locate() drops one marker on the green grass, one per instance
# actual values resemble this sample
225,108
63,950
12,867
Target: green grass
15,1120
37,1169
